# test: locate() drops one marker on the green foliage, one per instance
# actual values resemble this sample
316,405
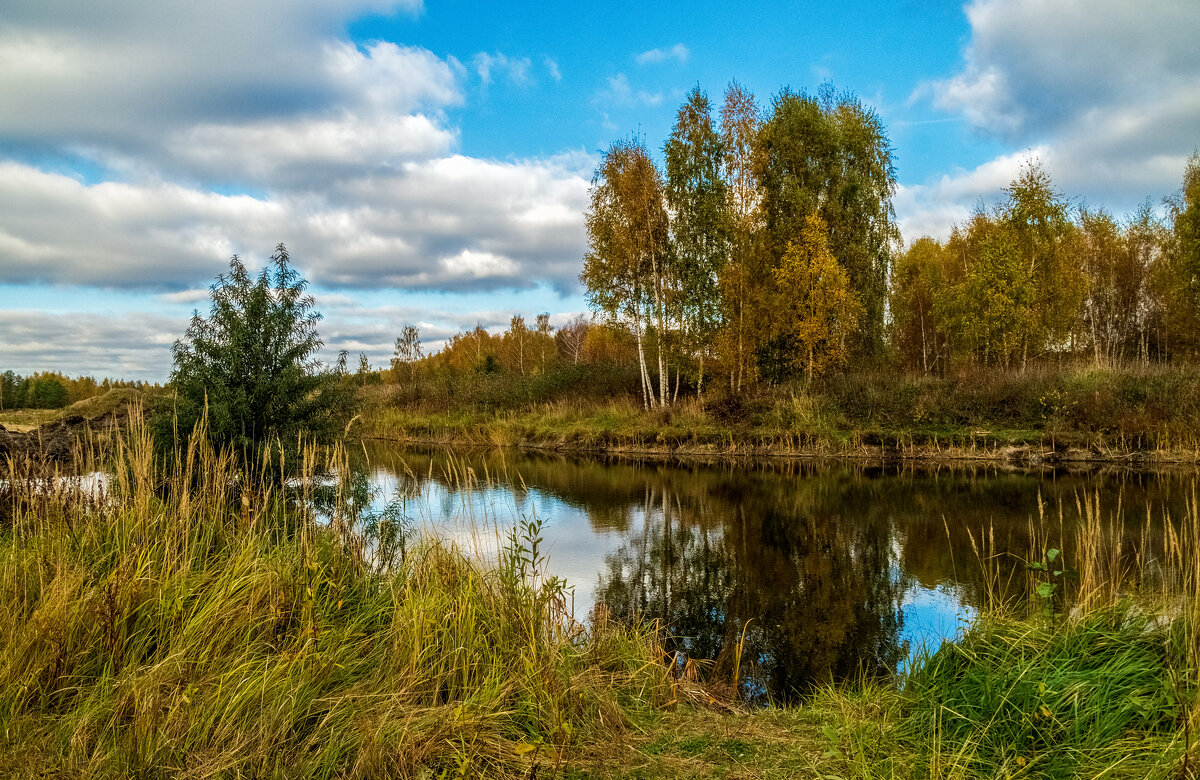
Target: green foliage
249,368
993,311
696,193
1179,277
829,156
46,392
918,280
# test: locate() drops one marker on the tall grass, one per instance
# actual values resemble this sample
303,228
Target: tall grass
1086,668
180,619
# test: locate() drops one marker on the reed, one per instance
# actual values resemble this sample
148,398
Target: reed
180,618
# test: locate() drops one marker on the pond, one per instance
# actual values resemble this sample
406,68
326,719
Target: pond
798,571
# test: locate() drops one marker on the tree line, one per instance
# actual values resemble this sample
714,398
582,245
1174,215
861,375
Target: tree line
766,250
51,390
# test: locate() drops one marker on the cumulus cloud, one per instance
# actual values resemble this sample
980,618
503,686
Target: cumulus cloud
1106,94
452,223
678,52
220,144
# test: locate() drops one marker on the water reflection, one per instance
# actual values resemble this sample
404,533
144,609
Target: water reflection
813,571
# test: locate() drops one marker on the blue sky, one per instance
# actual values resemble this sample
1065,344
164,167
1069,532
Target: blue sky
429,163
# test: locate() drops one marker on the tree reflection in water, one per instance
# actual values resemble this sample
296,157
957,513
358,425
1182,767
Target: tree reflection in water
821,593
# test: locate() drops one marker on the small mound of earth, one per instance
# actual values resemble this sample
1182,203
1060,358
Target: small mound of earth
55,440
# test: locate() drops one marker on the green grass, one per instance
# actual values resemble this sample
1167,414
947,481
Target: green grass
1101,695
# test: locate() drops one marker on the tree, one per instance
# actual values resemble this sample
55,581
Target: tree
544,338
9,382
918,278
571,337
250,365
1179,279
1037,221
46,392
830,156
517,344
625,268
990,311
407,353
696,194
817,311
1116,261
364,374
740,122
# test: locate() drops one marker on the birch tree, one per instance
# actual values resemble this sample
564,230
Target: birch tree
695,193
625,268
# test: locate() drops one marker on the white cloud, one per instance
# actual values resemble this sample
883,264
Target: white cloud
678,52
425,225
1105,93
308,152
619,92
133,345
227,127
516,69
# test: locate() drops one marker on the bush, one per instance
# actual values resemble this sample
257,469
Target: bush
249,367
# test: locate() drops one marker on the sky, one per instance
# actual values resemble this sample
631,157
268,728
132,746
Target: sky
429,163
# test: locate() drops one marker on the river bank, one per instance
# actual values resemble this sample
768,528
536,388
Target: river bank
632,432
1148,414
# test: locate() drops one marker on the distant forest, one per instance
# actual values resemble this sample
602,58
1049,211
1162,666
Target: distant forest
53,391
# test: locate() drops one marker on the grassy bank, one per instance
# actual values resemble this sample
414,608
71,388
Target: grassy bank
180,620
1044,414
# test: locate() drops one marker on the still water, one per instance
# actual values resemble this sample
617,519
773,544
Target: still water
822,570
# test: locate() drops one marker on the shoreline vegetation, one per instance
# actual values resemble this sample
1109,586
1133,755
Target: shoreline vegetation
1135,416
194,616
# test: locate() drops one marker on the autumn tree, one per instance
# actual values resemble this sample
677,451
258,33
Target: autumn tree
472,350
743,270
1179,278
544,340
1116,261
517,343
695,192
625,268
990,311
1036,220
829,156
817,311
918,278
570,339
